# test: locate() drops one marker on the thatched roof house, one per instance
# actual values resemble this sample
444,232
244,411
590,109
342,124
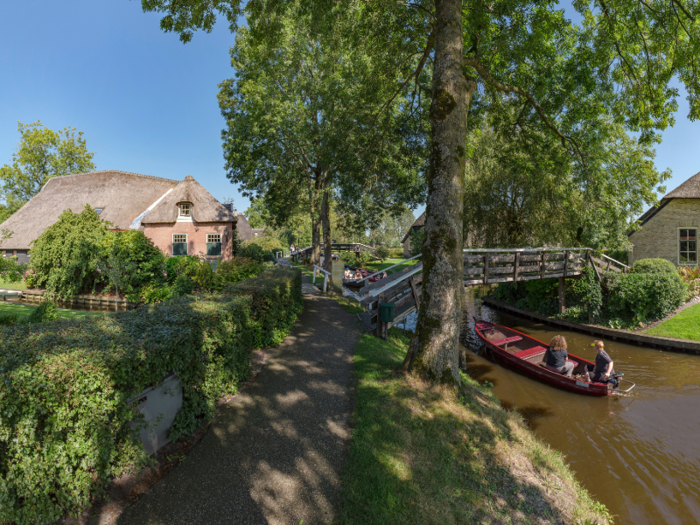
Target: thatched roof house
128,201
669,230
245,232
406,241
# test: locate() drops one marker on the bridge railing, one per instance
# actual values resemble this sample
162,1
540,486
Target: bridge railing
325,273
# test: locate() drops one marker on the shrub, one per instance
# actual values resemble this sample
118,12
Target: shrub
66,255
8,319
238,269
654,266
253,251
30,279
382,253
65,412
46,311
416,241
642,297
184,285
155,294
10,270
146,261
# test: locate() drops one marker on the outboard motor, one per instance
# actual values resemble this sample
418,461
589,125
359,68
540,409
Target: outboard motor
615,380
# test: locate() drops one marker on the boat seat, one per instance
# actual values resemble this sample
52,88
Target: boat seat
483,326
507,340
530,352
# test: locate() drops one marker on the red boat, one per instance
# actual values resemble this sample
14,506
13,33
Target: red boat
525,355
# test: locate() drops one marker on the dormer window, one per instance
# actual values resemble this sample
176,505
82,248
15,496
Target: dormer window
185,209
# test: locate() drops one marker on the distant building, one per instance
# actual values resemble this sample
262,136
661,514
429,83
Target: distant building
406,241
670,230
245,232
181,217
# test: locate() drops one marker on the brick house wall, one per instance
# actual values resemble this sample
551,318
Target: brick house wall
162,236
659,236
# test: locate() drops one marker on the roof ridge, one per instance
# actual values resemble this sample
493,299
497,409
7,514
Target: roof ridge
112,171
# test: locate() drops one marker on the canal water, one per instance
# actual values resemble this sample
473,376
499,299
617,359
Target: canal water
638,454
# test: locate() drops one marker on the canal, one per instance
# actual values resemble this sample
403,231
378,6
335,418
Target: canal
638,454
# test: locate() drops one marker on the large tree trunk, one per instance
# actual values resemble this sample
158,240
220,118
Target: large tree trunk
434,352
326,225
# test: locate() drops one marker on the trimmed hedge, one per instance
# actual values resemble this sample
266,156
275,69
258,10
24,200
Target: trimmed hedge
643,297
654,266
65,386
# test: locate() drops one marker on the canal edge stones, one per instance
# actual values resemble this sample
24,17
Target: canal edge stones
661,343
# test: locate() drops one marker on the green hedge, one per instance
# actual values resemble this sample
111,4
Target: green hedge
643,297
65,386
654,266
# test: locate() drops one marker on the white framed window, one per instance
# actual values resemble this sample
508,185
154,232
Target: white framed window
185,209
213,244
179,244
687,246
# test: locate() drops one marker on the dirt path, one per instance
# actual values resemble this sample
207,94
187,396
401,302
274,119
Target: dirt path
274,454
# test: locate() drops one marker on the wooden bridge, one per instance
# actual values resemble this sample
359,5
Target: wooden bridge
336,246
482,267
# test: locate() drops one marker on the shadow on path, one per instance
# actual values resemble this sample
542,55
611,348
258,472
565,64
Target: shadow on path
274,454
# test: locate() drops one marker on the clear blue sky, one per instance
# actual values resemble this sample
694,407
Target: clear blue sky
146,102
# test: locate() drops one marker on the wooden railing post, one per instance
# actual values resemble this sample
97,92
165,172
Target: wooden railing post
517,267
562,292
566,261
543,263
486,268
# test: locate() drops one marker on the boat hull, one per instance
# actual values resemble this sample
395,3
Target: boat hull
534,370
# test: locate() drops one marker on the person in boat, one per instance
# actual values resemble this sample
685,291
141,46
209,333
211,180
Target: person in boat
348,273
603,368
358,274
555,357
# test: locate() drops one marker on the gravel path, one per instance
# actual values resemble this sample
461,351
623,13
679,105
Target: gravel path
274,454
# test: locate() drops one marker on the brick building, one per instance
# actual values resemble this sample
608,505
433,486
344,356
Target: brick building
670,230
181,217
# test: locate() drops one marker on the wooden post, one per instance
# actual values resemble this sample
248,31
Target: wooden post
379,316
416,298
543,263
566,261
486,268
595,269
562,293
517,267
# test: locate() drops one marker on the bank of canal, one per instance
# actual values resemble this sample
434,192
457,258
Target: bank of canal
637,454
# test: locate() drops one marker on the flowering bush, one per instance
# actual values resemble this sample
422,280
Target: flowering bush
30,279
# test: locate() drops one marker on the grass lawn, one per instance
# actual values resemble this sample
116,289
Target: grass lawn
421,454
6,285
685,325
25,310
376,265
335,292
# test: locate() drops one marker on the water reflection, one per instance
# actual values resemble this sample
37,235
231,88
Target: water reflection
637,454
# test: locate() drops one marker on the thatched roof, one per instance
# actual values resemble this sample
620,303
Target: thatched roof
690,189
205,208
121,195
245,232
417,225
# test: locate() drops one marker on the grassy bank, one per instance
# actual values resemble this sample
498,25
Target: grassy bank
7,285
334,291
24,310
420,455
685,325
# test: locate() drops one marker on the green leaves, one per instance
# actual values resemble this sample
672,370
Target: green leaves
41,155
65,413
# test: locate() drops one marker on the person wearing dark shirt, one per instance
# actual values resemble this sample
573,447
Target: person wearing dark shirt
555,357
603,368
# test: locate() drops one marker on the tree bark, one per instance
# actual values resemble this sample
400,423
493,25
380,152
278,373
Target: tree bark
326,226
435,356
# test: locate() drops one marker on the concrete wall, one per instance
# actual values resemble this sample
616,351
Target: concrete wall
659,236
162,236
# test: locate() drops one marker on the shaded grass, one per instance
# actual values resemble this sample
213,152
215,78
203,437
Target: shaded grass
335,292
24,310
685,325
7,285
428,455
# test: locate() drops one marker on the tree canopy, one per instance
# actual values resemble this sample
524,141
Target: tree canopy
565,80
41,154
